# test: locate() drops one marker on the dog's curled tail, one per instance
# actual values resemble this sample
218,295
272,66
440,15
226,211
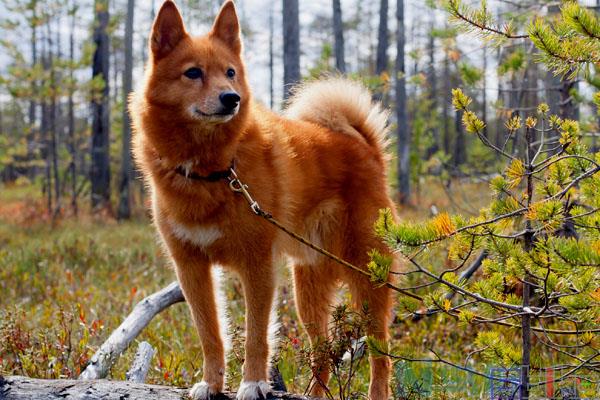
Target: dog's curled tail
341,105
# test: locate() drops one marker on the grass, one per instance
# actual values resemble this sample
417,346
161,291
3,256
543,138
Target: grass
66,286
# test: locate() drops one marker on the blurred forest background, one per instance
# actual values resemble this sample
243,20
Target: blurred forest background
73,214
67,67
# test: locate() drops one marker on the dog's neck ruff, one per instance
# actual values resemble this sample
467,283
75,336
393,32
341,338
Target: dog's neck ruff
212,177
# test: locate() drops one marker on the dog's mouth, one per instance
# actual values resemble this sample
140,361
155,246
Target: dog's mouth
218,117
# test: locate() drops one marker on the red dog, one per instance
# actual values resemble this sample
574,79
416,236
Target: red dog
320,168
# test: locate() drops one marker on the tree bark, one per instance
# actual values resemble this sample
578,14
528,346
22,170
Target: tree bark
52,123
460,156
34,60
71,114
447,101
124,210
100,168
460,151
31,137
528,243
45,131
291,46
403,132
19,387
381,62
484,96
433,92
271,58
338,33
382,39
499,134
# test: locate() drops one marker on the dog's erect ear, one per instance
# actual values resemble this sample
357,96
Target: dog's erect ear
167,31
227,27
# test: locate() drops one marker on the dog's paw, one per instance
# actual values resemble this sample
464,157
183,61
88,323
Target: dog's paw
202,391
253,390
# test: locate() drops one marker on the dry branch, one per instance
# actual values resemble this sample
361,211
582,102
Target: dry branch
130,328
18,387
141,363
120,339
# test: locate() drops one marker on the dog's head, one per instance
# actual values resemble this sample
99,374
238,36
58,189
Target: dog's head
197,80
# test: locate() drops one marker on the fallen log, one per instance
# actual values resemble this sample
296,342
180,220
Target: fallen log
19,387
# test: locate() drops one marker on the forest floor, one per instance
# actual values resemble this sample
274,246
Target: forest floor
66,286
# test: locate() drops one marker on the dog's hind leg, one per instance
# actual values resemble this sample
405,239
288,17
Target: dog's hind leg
377,302
314,287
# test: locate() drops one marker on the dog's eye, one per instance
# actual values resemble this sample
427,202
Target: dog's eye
231,72
193,73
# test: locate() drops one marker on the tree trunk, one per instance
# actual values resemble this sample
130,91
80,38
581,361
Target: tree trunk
460,155
54,130
31,137
100,168
32,103
53,125
47,187
291,46
403,132
568,108
271,58
446,103
124,211
381,64
45,132
19,387
499,137
459,144
360,40
484,97
433,92
71,114
338,33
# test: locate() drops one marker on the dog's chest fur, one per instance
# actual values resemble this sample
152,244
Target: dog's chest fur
200,235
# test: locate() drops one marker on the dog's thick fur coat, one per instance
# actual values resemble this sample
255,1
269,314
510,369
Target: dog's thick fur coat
320,169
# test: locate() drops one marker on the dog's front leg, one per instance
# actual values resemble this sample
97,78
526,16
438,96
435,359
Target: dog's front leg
195,277
258,282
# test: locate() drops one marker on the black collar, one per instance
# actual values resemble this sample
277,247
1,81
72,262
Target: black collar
212,177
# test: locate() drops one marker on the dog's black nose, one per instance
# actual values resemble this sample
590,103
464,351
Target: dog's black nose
230,100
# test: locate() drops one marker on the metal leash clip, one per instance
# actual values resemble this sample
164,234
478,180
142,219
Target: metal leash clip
237,186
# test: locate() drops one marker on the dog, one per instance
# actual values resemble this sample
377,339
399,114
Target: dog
320,169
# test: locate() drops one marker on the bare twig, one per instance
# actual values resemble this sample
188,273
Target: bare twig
141,363
120,339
